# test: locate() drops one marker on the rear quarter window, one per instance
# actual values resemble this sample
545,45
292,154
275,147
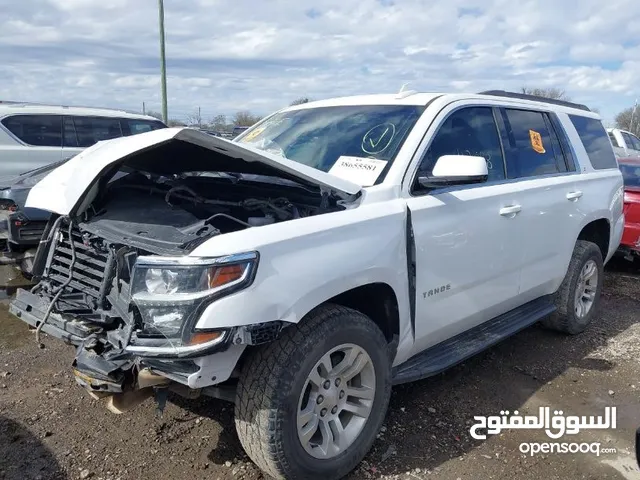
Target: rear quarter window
596,142
36,130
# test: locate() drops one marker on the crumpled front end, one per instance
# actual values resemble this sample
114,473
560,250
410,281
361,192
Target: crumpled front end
132,317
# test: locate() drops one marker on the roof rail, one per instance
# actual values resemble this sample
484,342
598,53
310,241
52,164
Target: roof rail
42,104
535,98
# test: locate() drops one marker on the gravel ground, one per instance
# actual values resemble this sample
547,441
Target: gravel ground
50,429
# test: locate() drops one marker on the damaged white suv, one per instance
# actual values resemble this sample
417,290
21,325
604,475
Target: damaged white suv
332,250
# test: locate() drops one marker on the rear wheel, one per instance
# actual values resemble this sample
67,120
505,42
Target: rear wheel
310,404
578,297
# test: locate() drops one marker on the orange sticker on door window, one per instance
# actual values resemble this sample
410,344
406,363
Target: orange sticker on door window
536,141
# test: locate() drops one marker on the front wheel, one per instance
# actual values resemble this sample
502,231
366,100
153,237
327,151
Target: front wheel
310,404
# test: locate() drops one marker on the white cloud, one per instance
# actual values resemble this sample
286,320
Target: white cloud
227,56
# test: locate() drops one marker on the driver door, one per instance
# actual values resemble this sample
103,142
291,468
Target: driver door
468,239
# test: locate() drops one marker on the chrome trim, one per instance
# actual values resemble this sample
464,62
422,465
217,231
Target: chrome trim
189,350
194,261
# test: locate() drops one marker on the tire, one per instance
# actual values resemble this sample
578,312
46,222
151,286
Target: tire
567,319
271,385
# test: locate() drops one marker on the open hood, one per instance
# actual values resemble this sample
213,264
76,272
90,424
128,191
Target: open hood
169,151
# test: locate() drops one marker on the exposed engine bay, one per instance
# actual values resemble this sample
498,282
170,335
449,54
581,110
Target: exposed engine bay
86,266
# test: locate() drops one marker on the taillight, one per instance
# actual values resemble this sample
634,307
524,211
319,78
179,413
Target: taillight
8,205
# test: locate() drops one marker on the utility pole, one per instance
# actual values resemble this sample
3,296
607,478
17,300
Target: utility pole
144,110
633,114
163,63
199,118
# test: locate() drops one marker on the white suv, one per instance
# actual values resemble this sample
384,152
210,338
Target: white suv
334,249
33,136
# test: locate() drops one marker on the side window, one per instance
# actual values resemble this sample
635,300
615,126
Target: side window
36,130
69,133
530,151
91,130
635,141
468,131
133,126
567,150
614,140
595,141
627,139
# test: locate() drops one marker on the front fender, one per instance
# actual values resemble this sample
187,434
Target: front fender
305,262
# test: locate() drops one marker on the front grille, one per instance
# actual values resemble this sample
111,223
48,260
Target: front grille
91,271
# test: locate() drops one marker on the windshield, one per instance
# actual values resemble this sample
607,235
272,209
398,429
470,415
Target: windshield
630,174
358,143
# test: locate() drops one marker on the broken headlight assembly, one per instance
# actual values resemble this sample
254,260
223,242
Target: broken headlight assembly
170,293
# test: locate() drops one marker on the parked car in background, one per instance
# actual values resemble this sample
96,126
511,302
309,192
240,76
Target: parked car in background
237,131
630,245
625,144
34,140
378,240
33,136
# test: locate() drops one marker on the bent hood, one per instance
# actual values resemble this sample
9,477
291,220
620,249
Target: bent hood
170,151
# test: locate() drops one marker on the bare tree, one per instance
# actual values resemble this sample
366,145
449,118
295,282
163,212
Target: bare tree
195,118
624,120
552,93
300,101
219,122
245,119
153,114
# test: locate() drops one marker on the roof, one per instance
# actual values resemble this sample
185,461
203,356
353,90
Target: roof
34,108
424,98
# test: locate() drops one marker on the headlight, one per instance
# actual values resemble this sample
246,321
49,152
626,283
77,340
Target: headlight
170,293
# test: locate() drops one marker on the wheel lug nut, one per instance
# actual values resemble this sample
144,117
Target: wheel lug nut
320,399
323,412
342,394
334,410
337,382
327,384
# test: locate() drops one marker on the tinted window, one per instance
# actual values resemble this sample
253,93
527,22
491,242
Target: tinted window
530,151
133,126
635,142
90,130
469,131
614,140
630,174
595,141
38,130
69,133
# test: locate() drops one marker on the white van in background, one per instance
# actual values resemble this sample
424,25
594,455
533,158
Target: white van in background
625,144
32,135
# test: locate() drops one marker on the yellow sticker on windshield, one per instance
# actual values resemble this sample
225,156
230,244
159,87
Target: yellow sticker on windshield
536,141
253,134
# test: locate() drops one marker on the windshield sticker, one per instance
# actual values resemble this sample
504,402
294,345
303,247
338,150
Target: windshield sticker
362,171
254,133
378,138
536,141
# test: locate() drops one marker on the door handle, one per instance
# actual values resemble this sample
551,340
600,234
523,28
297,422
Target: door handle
574,195
510,211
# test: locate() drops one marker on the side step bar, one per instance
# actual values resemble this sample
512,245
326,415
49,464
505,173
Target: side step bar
446,354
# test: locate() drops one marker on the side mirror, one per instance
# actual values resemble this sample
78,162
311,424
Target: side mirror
456,170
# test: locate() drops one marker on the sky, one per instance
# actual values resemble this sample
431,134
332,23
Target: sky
225,56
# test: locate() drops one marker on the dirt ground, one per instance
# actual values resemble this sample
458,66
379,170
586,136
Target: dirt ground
50,429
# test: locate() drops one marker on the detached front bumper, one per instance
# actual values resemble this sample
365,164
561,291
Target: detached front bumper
115,372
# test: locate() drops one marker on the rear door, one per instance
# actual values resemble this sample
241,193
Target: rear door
81,132
35,140
540,159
